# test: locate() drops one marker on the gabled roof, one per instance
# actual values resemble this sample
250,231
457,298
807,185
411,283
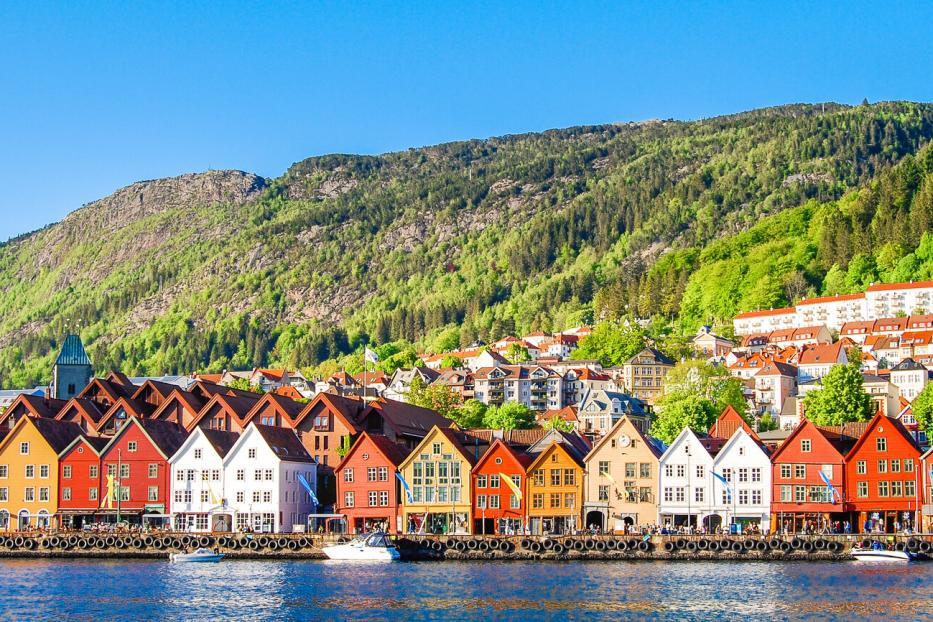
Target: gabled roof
518,439
524,460
109,387
570,450
777,368
908,364
734,439
191,401
406,418
88,409
681,438
348,409
234,405
73,353
133,408
220,440
393,452
37,405
165,436
450,435
889,421
285,406
96,444
728,422
820,354
162,389
284,443
656,446
567,413
58,434
659,357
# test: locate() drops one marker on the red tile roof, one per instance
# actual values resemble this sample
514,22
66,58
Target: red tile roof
751,314
882,287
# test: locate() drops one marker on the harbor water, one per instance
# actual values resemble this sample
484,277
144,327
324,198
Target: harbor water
125,590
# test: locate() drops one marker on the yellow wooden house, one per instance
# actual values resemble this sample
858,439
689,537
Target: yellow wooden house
436,490
555,490
29,472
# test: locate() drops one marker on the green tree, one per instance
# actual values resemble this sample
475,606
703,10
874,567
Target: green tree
243,385
452,362
612,343
556,423
767,423
841,398
470,414
516,354
682,409
509,416
922,408
436,396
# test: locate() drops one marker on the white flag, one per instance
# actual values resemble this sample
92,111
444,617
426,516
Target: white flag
370,356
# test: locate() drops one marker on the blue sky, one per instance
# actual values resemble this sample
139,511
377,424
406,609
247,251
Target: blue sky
94,96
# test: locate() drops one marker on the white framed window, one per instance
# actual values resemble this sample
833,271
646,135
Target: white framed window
132,446
24,448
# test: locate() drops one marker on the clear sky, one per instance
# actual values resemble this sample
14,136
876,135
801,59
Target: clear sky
96,95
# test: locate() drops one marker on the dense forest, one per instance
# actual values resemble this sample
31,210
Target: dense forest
686,222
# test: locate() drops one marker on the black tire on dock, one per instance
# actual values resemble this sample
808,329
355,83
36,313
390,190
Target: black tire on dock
304,542
590,544
579,545
632,544
243,542
526,543
204,541
274,545
725,544
644,546
462,546
900,546
774,544
749,544
612,544
834,547
424,543
120,543
807,547
669,546
148,540
472,544
600,545
866,543
84,544
253,545
820,544
29,544
925,547
762,546
680,543
73,540
691,547
713,546
703,544
494,544
913,544
179,543
18,541
796,543
786,547
558,549
283,542
548,544
139,543
568,543
265,541
737,547
536,547
436,545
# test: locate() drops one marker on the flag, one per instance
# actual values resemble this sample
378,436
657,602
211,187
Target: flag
307,486
609,477
724,481
511,484
214,498
109,498
408,494
370,356
829,484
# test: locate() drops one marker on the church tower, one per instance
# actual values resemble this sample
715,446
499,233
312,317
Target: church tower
72,370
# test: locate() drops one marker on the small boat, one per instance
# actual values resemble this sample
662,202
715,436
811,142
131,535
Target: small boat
877,552
367,547
200,555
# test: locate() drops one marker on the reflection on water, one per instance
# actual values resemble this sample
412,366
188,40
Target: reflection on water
240,590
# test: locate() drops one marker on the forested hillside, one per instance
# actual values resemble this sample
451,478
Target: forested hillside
446,244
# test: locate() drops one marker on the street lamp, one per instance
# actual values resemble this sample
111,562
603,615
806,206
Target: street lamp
689,511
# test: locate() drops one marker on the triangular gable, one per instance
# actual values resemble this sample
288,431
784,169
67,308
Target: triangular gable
133,421
652,445
881,418
285,409
728,422
226,403
126,405
153,392
176,398
796,432
521,460
734,440
680,440
333,405
192,438
82,440
84,412
554,446
429,438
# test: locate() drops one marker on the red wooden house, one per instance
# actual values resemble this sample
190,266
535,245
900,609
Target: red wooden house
496,507
926,479
120,412
224,412
83,411
275,410
799,495
181,407
79,480
368,490
137,458
31,406
883,473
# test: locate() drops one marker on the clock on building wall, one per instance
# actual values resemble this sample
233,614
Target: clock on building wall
624,440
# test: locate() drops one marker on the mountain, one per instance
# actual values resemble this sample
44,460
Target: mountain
470,239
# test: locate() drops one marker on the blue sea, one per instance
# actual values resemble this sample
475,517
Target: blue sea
94,591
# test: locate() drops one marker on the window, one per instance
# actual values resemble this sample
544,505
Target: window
383,474
881,444
743,475
92,494
154,470
251,453
514,503
882,466
800,494
256,496
570,477
124,471
897,489
66,494
805,445
494,481
555,500
124,493
373,498
481,480
348,499
24,448
30,471
66,471
861,467
132,446
153,493
680,494
537,501
348,474
29,494
270,475
743,497
908,465
800,471
895,466
668,494
481,502
383,497
436,448
756,474
215,475
494,501
555,478
629,470
240,497
604,493
92,471
787,494
44,493
197,454
910,488
785,471
668,470
322,422
44,471
241,475
644,470
681,470
883,489
570,500
701,471
5,494
112,470
603,467
699,494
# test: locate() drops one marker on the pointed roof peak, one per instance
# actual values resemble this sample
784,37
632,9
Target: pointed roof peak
73,352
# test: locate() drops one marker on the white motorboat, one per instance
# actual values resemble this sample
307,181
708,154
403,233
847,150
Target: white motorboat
367,547
878,553
200,555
